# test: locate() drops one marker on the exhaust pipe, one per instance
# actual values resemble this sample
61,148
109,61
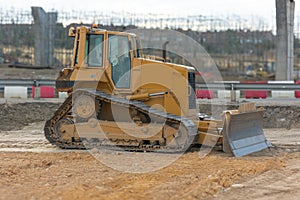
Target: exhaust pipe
164,51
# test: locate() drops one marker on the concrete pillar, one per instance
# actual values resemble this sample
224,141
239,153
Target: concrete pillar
44,27
52,19
285,39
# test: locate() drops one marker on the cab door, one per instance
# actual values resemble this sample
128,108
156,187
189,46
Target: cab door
119,57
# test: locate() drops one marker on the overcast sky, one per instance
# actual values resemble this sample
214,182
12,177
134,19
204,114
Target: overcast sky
262,8
241,7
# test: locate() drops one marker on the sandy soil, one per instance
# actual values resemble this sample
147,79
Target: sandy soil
31,168
77,175
280,184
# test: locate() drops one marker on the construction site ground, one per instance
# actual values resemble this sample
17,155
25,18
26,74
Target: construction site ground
31,168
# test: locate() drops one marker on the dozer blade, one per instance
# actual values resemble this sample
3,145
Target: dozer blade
243,132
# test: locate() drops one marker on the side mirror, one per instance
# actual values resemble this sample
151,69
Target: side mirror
72,32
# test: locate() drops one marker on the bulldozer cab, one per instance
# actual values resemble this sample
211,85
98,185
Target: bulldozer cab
97,49
112,62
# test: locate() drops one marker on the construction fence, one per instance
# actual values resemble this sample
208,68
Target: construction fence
233,42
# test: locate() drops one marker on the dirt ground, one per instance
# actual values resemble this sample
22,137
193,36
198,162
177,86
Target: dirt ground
23,73
14,115
31,168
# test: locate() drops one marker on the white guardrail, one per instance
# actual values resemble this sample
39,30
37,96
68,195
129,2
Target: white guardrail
253,89
24,88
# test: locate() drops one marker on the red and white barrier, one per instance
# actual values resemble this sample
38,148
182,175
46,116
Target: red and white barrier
62,95
15,92
256,94
297,92
282,93
43,92
205,94
226,94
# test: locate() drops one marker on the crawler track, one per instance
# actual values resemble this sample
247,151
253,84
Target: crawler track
170,120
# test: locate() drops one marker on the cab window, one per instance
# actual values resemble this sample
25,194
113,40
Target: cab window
119,57
94,50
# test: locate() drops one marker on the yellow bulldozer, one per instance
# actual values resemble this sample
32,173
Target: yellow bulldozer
118,98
